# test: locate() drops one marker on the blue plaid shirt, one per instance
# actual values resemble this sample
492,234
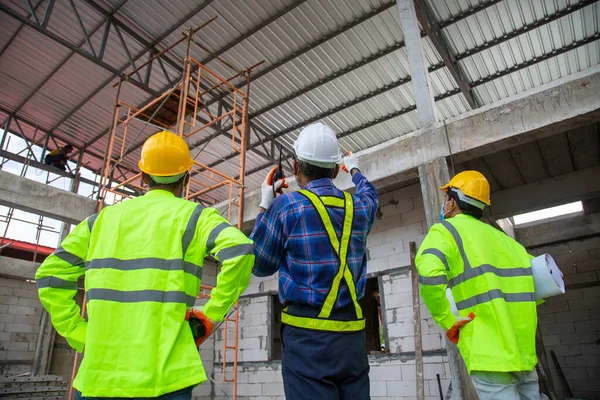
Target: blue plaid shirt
290,237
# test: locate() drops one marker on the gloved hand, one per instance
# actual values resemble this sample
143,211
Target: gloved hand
453,332
200,325
350,163
269,189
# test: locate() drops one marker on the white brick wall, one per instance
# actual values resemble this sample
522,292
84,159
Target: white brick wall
20,317
570,323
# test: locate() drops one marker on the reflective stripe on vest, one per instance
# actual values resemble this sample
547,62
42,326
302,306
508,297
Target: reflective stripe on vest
139,264
474,272
340,246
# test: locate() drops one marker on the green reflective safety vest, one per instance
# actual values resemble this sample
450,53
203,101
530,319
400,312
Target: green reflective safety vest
323,322
142,260
490,275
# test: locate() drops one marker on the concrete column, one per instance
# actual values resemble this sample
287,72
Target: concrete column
433,175
418,69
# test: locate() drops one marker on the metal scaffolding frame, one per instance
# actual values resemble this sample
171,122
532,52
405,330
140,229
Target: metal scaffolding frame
27,161
197,82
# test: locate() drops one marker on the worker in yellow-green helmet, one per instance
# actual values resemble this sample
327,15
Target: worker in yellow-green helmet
142,260
490,277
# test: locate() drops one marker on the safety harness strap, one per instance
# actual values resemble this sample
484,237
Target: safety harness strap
340,246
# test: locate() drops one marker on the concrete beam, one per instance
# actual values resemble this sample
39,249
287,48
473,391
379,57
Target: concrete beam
35,197
574,186
564,104
559,230
17,269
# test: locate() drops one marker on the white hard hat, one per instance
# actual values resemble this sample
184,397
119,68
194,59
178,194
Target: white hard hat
317,145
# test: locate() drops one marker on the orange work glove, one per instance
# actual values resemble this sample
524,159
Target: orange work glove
453,332
200,325
274,184
276,179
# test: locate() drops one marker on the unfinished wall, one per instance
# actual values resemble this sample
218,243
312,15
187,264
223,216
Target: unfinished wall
20,316
570,323
400,220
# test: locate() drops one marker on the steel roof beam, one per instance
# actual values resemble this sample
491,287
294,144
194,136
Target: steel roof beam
525,28
217,53
319,42
382,53
147,47
63,62
9,42
69,45
252,31
48,13
346,70
82,26
480,82
53,135
469,12
461,56
433,30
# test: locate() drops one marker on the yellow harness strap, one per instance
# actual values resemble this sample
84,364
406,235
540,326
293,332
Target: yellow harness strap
340,246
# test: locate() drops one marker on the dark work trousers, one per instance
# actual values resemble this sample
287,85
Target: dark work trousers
324,365
56,160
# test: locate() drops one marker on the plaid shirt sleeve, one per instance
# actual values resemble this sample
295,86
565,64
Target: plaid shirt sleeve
368,195
268,241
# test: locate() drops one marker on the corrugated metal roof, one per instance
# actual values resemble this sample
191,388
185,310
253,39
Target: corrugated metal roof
504,48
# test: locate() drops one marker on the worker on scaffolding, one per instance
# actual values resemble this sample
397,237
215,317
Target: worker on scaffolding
142,260
491,286
316,238
58,157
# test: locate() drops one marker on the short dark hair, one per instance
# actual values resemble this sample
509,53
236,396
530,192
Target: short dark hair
313,172
466,208
152,184
68,147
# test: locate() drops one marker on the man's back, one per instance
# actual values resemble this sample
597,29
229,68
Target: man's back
297,243
490,275
143,266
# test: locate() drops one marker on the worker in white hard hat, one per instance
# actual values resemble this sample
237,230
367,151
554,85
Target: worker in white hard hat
317,239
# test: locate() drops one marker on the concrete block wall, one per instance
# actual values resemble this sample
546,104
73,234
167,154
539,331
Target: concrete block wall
254,334
20,317
570,323
400,220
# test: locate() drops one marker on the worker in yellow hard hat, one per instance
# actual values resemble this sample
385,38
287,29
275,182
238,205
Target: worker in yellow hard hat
142,260
492,292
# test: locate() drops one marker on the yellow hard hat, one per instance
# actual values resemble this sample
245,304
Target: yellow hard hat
472,184
165,154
